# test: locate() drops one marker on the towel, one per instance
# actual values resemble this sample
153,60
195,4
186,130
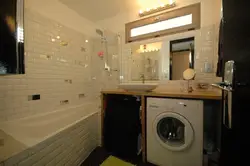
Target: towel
113,161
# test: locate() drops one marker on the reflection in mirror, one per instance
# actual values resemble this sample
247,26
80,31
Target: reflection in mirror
181,57
145,61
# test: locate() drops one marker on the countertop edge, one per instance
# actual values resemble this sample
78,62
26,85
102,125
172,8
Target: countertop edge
193,95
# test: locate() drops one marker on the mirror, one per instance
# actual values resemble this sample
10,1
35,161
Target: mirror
145,61
161,60
181,57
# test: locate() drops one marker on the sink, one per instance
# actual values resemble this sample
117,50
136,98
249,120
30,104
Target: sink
138,87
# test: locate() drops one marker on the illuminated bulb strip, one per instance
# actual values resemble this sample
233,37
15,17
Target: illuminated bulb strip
163,25
155,9
20,35
150,50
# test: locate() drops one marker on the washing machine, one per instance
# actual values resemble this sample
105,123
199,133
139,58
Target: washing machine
174,132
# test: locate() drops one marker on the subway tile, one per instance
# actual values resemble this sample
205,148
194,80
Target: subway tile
13,161
45,76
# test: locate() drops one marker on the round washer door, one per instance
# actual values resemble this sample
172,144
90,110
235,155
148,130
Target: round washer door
173,131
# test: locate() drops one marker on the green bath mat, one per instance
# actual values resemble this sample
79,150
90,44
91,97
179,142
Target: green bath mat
113,161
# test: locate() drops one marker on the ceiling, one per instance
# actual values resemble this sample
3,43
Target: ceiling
97,10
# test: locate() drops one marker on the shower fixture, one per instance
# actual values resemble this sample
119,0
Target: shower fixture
99,32
104,40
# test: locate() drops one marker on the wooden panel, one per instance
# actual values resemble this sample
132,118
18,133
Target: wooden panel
143,123
192,9
210,95
180,62
104,105
194,95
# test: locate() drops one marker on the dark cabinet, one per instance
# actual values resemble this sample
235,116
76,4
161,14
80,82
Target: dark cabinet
122,126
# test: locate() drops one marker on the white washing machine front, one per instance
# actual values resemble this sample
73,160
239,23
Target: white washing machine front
173,131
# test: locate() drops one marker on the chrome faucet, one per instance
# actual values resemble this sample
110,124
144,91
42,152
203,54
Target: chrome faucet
143,78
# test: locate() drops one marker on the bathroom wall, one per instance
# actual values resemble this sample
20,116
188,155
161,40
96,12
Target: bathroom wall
55,10
57,69
210,13
60,66
205,52
206,40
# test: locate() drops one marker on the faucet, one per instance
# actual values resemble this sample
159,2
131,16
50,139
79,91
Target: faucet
142,78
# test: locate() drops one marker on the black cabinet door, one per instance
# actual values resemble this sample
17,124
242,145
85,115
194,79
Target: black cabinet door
236,47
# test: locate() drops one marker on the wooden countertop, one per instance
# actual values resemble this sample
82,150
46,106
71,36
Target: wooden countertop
211,95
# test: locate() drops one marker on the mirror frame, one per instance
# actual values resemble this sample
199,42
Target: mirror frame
194,9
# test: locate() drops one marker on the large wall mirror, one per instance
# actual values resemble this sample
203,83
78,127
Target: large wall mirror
146,61
165,59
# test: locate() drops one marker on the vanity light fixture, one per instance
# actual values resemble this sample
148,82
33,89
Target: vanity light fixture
156,9
20,36
149,50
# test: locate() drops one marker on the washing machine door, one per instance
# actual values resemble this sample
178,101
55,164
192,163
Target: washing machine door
173,131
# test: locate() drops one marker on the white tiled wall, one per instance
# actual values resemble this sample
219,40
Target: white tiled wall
57,68
206,50
70,147
49,66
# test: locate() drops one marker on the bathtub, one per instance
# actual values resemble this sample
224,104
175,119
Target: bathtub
27,132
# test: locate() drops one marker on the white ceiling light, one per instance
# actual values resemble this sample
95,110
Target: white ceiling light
163,25
171,1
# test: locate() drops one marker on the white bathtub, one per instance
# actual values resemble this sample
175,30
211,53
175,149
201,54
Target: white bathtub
26,132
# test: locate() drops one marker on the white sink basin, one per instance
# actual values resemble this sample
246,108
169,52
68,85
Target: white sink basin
138,87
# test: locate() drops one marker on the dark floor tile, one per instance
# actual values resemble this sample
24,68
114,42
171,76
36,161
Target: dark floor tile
96,157
145,164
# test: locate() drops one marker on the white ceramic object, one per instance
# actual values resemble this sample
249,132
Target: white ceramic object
138,87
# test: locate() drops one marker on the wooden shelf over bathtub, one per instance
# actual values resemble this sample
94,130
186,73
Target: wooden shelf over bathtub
201,95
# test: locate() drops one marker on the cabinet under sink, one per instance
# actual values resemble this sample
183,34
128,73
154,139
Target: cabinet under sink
122,126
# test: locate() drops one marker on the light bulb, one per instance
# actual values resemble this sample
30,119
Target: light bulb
53,40
141,11
86,41
162,5
58,37
171,2
148,9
